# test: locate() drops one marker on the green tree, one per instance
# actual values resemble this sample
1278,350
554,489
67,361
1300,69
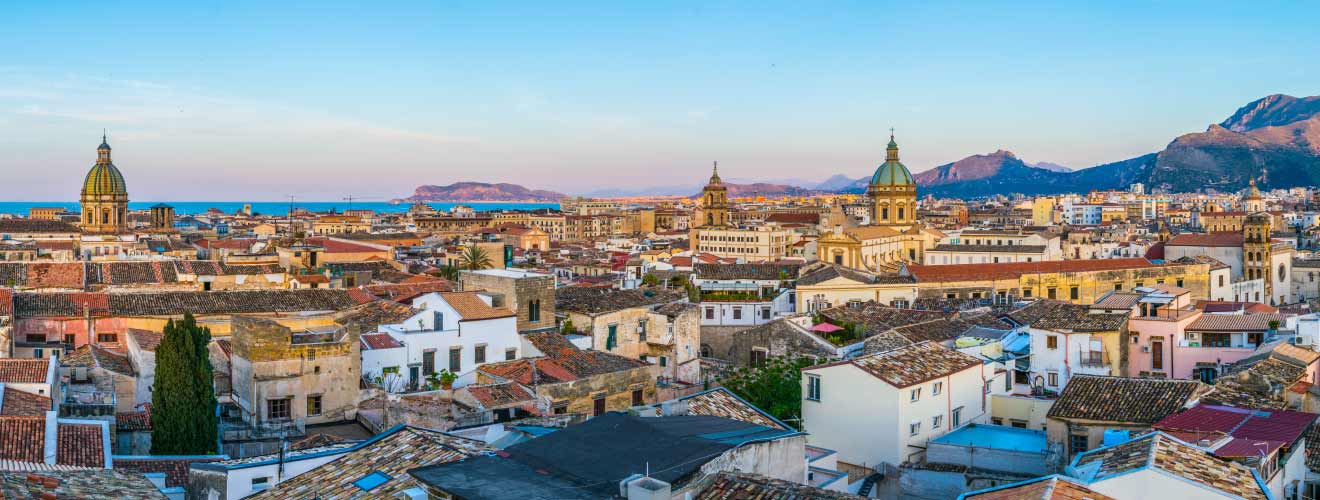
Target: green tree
775,387
183,406
567,326
650,280
447,271
474,259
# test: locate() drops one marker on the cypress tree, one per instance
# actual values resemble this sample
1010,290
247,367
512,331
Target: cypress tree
183,418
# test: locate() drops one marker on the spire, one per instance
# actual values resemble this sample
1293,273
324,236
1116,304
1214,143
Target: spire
715,173
103,151
891,151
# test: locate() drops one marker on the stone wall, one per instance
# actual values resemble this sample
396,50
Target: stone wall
266,365
615,387
778,339
518,293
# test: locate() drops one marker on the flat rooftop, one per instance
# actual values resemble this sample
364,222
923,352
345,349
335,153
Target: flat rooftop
510,273
997,437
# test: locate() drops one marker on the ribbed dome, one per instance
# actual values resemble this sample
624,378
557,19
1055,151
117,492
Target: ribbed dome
103,179
892,172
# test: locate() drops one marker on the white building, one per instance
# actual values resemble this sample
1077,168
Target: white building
1074,340
453,331
745,294
31,375
1167,468
881,409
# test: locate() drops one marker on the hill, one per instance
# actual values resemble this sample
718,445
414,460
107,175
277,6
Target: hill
481,191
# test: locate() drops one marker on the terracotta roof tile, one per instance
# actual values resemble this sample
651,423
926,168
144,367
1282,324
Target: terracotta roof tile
911,365
739,486
94,356
80,484
23,438
471,307
374,341
1234,322
500,395
175,469
81,445
17,403
1014,270
147,340
24,370
1206,240
1044,488
1124,399
1166,453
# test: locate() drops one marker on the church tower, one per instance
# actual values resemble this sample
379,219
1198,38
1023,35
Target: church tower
104,196
892,191
714,201
1257,251
1253,202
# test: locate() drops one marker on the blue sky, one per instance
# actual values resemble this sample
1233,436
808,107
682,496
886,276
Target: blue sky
255,101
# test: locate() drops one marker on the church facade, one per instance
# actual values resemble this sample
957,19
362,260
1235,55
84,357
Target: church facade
104,196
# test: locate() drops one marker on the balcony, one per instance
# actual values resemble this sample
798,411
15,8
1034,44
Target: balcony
87,402
1094,359
277,429
1217,345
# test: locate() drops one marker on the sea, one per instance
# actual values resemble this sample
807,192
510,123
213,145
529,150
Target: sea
272,207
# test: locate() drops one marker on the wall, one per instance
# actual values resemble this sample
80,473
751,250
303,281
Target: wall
265,366
518,292
237,483
616,387
1026,409
832,422
779,459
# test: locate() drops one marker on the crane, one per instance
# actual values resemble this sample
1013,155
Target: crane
350,199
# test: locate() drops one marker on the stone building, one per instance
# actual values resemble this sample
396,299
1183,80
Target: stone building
567,379
284,379
104,196
529,295
660,328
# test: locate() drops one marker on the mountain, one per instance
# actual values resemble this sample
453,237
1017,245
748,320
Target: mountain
481,191
1275,140
838,182
765,189
1053,167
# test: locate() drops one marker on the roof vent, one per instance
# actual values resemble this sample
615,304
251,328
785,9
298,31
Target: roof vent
647,488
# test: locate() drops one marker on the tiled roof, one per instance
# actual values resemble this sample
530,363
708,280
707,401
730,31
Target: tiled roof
1118,300
1291,352
878,318
1014,270
1124,399
1252,385
375,341
24,226
1233,239
177,303
134,420
500,395
369,316
762,272
948,247
1216,306
885,341
24,370
94,356
68,275
147,340
602,300
1234,322
405,291
175,468
562,362
17,403
81,445
911,365
392,454
739,486
1053,487
6,301
826,272
1166,453
23,438
79,484
719,402
471,307
1313,448
1030,313
1260,431
1077,318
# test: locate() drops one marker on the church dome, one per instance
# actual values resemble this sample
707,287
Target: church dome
104,178
892,172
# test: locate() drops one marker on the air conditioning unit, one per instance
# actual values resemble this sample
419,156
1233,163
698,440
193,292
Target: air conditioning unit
1145,348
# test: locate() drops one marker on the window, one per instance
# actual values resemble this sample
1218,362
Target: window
559,408
914,428
428,361
455,360
70,339
636,397
107,338
314,405
1026,293
935,390
737,312
765,313
916,394
1051,293
1077,443
277,409
710,313
598,406
758,357
1053,379
813,387
38,353
479,354
996,421
641,331
612,339
1074,293
1221,280
956,420
664,361
260,483
510,354
534,311
936,421
1051,342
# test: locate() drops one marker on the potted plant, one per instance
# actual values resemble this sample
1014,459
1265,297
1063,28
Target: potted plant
447,379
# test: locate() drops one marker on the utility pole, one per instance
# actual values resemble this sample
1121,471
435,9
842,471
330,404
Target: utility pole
289,215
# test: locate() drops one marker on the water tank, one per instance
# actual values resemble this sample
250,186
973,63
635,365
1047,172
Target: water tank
1116,436
648,488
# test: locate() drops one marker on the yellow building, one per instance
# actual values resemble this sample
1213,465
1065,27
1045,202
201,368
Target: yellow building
104,196
892,191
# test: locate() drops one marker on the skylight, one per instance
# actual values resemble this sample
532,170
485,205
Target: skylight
371,481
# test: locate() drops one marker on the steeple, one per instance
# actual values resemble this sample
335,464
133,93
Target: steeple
103,151
715,173
891,151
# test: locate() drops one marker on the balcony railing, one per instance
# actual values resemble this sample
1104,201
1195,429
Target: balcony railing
87,403
240,431
1094,358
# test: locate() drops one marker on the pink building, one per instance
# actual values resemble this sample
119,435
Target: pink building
1168,338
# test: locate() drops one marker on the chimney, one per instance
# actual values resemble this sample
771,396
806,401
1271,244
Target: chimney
647,488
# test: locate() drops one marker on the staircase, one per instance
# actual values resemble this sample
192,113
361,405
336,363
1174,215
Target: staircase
869,483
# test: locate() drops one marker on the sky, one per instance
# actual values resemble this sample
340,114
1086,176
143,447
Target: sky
253,101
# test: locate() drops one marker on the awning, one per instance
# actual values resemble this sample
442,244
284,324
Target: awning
825,328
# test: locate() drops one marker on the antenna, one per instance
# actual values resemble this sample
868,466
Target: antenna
350,199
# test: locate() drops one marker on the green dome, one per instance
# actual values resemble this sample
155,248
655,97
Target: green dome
103,179
892,173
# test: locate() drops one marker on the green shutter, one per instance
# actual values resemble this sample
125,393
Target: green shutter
612,340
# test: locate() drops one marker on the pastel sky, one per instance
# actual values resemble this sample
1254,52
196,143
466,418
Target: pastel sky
258,100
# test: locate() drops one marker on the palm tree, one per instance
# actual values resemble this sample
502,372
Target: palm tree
474,259
448,272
